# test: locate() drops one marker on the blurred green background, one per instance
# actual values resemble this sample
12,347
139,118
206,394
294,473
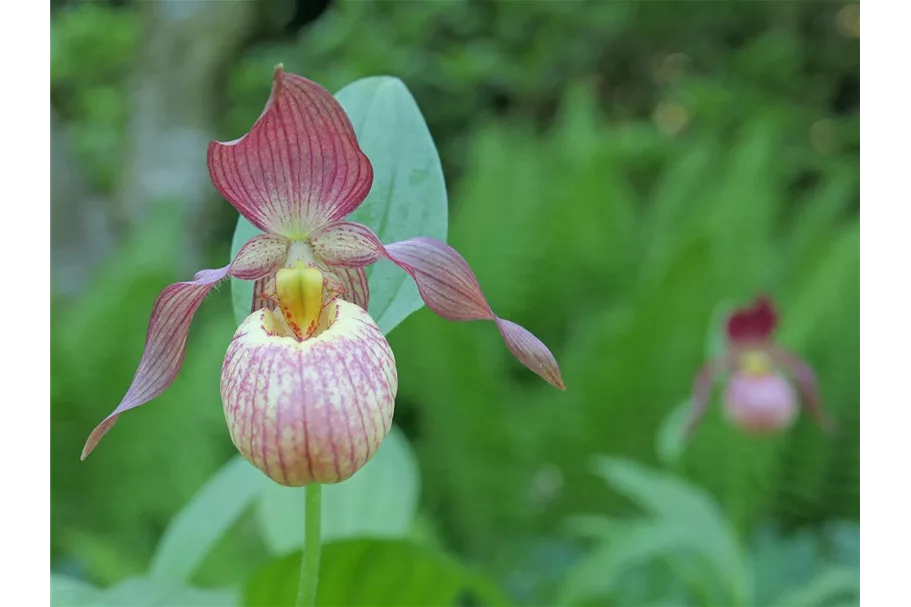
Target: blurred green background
616,170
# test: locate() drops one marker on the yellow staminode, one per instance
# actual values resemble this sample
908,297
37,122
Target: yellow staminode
300,295
755,363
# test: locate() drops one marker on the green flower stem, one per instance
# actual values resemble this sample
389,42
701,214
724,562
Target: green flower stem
306,589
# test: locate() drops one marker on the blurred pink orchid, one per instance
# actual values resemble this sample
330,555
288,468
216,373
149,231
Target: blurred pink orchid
309,391
758,396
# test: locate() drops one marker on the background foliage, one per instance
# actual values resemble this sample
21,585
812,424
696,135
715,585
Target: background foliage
615,171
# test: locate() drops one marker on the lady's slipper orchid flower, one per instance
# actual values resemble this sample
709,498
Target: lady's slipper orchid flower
309,381
758,396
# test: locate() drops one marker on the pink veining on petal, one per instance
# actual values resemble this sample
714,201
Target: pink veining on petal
262,251
299,167
445,280
165,346
311,411
806,382
262,288
449,287
357,289
346,244
169,326
531,351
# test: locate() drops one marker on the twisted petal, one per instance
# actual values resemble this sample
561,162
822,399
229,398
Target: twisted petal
300,165
170,322
313,410
702,390
806,384
446,284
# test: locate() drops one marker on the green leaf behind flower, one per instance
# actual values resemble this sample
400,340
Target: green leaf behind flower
380,501
196,529
377,573
408,197
136,592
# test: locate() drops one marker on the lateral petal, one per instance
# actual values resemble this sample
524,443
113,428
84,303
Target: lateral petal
169,326
444,279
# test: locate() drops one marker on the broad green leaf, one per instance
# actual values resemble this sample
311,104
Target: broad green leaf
376,573
842,538
196,529
379,501
145,592
833,584
688,510
634,543
807,568
408,197
137,592
68,591
781,561
593,527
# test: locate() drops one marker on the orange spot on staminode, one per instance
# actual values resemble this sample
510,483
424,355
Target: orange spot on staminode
299,290
311,329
